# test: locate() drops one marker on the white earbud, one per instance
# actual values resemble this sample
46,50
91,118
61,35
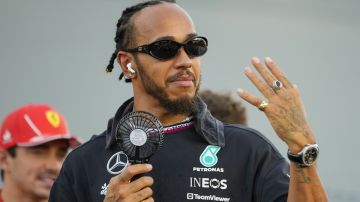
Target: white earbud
130,68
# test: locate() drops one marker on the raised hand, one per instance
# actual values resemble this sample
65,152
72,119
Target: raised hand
283,106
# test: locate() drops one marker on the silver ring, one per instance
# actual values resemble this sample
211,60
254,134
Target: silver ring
276,85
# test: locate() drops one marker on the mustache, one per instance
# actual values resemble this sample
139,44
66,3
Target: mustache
186,73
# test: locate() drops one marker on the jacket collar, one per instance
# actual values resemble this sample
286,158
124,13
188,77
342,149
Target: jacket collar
207,126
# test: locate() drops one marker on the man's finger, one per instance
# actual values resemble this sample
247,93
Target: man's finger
142,195
133,170
264,72
140,183
276,71
248,97
151,199
262,86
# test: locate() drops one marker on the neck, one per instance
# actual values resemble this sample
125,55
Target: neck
12,193
172,119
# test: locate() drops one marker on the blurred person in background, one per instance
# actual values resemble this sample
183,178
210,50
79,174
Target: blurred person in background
224,107
34,142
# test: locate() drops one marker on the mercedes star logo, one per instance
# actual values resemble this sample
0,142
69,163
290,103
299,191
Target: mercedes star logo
117,163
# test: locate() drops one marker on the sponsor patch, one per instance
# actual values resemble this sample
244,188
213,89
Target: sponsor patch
208,183
208,157
202,169
193,196
117,163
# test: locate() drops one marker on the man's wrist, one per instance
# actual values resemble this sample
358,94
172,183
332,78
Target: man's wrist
306,157
299,142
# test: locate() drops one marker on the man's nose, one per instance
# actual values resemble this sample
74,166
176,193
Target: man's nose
182,59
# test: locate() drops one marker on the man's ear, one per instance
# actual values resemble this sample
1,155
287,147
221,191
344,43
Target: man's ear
124,59
4,159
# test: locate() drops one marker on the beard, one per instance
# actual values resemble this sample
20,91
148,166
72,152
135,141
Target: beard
181,105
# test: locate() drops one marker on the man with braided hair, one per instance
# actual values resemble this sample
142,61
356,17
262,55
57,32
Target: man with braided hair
202,159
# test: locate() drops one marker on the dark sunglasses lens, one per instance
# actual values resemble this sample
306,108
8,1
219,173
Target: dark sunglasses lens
164,50
196,47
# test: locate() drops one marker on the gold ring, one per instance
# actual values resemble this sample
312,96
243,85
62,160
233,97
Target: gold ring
263,105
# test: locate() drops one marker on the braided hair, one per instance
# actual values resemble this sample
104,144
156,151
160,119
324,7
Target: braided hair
124,30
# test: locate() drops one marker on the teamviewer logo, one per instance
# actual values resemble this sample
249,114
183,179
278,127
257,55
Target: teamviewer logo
190,196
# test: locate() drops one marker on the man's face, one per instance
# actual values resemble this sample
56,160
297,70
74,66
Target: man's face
173,82
181,105
33,170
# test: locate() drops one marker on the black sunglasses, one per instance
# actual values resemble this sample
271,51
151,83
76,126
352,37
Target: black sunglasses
167,49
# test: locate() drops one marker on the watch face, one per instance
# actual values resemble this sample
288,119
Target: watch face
310,155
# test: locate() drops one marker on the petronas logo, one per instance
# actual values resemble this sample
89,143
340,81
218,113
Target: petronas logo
208,157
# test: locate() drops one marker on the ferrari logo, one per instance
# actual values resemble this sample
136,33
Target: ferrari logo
53,118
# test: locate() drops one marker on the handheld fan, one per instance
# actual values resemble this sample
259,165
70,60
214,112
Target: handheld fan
139,135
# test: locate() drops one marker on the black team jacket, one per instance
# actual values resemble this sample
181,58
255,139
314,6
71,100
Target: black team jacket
200,160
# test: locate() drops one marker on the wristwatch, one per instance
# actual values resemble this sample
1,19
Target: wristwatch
306,157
